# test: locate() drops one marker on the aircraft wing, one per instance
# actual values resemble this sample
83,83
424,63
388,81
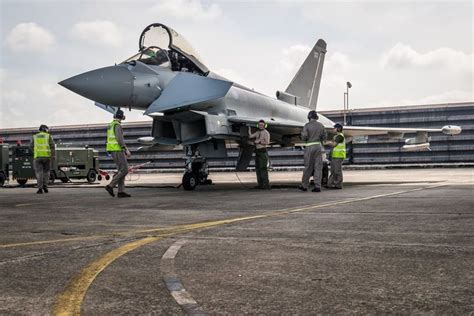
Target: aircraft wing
421,141
390,131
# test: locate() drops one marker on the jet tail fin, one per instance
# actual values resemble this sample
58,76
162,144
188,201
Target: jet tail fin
307,80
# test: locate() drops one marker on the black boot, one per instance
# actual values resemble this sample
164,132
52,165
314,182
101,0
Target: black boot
40,191
45,189
123,195
109,189
302,188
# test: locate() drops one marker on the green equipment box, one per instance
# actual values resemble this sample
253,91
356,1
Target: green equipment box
69,163
22,164
75,163
4,163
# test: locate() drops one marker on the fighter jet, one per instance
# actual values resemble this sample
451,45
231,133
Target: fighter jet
196,108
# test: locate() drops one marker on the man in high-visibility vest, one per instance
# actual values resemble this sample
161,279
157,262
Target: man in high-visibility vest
44,152
338,154
314,134
119,152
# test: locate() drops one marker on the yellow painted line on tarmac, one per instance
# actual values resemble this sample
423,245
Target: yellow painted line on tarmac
70,300
182,228
52,241
35,203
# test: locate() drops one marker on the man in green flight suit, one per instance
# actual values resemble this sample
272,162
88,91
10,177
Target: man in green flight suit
313,134
262,140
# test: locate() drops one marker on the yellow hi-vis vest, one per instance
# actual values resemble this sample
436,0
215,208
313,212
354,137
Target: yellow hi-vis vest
339,151
112,144
41,145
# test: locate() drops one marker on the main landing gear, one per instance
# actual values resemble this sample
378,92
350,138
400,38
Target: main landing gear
196,170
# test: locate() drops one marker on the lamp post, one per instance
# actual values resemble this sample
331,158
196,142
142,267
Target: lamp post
346,100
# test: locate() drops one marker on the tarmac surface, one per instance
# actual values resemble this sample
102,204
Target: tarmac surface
392,241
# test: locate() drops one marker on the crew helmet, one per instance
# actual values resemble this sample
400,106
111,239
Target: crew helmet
43,128
312,115
119,115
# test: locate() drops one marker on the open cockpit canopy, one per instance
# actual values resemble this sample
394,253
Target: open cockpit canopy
162,46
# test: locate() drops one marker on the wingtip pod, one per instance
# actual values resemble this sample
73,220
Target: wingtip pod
451,129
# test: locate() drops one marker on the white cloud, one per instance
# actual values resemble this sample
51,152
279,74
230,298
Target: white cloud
188,9
28,101
403,56
292,58
231,74
335,64
104,33
29,37
446,97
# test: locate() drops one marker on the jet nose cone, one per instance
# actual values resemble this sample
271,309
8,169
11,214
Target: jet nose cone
109,85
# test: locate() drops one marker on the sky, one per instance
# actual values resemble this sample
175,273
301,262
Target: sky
394,53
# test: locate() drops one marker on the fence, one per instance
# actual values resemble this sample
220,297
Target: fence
363,150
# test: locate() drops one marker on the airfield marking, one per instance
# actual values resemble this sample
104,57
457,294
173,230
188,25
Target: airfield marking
70,300
186,227
174,284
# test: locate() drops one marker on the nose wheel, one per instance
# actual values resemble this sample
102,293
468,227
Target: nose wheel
197,172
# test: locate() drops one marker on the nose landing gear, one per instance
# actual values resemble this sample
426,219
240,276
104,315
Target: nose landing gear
196,170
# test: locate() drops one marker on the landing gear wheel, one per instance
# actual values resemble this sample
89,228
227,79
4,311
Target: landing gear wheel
91,176
52,177
189,181
2,179
99,177
63,177
22,182
203,179
107,177
325,177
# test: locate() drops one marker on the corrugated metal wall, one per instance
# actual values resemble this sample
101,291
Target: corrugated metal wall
444,149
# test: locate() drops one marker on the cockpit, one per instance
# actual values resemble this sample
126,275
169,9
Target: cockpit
162,46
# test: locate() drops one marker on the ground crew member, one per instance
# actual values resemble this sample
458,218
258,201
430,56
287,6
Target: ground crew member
44,152
119,151
262,140
314,134
338,154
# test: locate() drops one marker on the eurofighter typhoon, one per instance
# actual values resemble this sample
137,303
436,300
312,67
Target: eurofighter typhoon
196,108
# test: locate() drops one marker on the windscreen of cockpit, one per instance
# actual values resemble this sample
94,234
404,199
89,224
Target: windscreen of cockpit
151,56
165,37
